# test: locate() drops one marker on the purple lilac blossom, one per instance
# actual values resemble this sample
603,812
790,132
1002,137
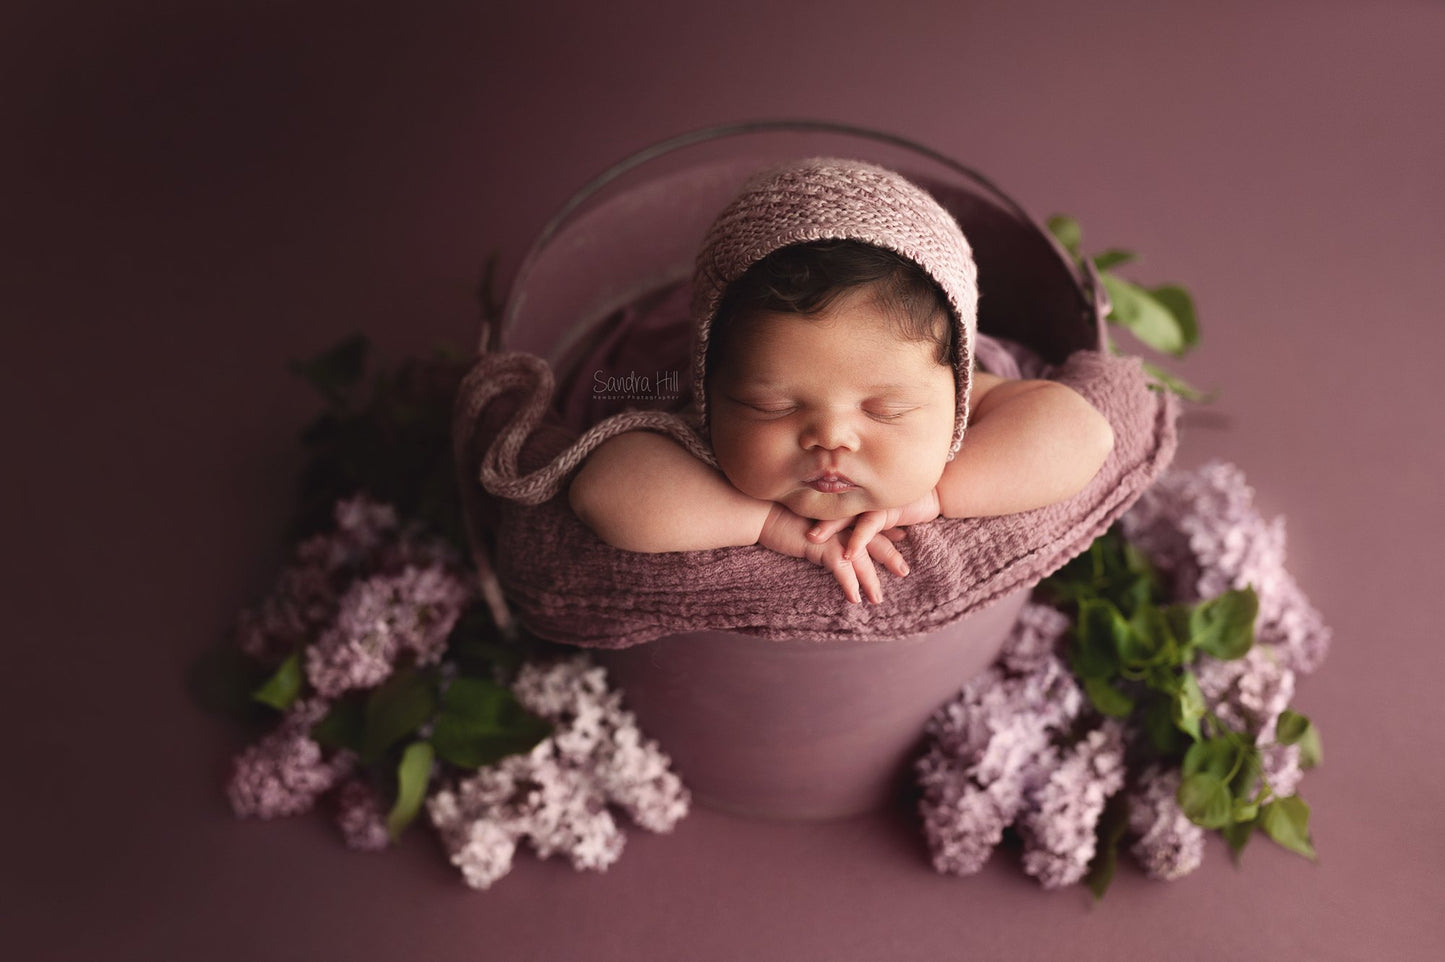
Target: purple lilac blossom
380,617
1249,693
361,816
297,610
557,795
362,527
286,771
1280,767
1167,845
992,759
1060,821
962,822
993,745
365,541
1201,529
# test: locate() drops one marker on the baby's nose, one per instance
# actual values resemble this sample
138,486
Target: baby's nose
829,433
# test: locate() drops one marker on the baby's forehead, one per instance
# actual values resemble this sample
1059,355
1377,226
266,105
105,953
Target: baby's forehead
790,335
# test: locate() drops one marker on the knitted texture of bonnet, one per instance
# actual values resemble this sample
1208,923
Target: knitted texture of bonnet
834,199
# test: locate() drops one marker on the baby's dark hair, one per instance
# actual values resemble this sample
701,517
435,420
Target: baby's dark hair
807,278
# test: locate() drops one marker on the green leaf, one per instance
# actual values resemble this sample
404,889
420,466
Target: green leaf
1147,637
1205,799
283,688
403,703
1311,749
481,722
1098,635
412,776
1176,301
1287,821
1108,699
1137,562
1158,722
1136,309
1110,832
1292,728
1067,232
344,725
1112,257
1237,835
1224,626
1177,385
1178,617
1244,810
1212,756
336,371
1247,771
1189,706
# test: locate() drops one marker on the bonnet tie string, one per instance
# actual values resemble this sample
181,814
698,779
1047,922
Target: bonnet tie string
495,375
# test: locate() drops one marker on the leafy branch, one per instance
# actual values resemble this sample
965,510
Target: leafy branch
1134,655
1161,317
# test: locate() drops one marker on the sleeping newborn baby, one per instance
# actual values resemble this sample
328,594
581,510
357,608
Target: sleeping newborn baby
835,306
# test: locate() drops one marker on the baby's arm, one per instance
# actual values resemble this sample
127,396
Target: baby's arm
1029,444
643,492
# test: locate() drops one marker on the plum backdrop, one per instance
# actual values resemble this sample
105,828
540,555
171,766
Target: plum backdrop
195,193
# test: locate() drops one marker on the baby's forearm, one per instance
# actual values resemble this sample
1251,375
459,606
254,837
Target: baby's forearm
1030,444
643,492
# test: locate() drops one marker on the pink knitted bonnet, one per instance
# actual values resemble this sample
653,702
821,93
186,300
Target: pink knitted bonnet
833,199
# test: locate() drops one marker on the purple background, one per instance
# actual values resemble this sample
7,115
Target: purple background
192,198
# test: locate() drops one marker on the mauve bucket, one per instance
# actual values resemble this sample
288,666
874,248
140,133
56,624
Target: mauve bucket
790,728
797,729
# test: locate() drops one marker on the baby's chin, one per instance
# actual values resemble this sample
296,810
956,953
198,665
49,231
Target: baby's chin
830,507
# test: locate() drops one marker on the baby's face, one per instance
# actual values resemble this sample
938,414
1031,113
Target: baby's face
831,415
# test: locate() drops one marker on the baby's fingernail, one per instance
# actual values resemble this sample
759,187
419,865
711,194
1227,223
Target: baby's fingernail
847,556
903,567
816,532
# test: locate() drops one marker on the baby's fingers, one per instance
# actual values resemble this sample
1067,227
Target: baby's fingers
883,551
869,524
868,577
843,570
824,530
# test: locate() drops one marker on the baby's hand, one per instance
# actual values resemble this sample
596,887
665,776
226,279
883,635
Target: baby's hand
787,533
870,524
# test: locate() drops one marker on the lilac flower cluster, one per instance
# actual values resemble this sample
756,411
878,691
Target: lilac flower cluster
1167,845
1201,529
361,816
999,756
367,540
286,771
380,617
1007,751
558,795
353,600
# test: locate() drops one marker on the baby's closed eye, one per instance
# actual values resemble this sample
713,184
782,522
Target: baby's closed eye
770,409
888,412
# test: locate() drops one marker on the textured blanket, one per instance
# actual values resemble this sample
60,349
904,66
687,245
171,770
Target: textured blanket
565,584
